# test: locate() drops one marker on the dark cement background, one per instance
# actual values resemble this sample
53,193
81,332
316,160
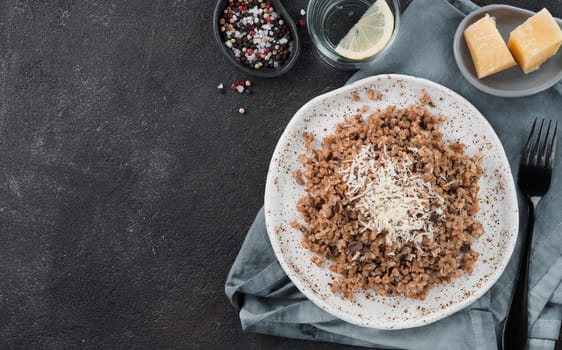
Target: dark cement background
126,182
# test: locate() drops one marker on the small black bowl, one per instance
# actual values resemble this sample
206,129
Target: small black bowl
265,72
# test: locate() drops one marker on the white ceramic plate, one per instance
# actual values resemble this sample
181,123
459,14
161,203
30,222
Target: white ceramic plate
498,204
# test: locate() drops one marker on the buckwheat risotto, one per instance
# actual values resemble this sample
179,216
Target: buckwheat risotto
390,205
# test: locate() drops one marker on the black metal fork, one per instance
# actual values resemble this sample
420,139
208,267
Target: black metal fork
535,172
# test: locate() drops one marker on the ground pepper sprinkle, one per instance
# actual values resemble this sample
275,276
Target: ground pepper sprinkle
256,33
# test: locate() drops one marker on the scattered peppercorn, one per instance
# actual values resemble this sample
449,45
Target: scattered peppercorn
248,83
253,30
241,110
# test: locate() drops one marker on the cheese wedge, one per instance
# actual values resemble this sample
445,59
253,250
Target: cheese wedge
535,41
487,47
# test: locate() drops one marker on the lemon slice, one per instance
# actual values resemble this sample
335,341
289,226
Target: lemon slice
370,34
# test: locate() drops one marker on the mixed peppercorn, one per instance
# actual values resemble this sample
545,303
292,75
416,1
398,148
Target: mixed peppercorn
242,86
256,33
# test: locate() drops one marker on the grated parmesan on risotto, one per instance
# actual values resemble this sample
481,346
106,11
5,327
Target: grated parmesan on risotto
390,197
389,205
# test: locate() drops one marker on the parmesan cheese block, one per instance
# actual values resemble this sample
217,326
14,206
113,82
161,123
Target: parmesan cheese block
535,41
487,47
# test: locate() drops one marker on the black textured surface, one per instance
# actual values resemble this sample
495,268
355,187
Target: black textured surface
126,182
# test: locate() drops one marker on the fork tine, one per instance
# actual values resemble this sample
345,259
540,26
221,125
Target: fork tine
527,154
543,149
535,150
552,148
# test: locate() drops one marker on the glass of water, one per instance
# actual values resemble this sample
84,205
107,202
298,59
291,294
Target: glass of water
330,24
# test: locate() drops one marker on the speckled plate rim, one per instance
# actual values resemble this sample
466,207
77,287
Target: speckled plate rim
333,309
480,84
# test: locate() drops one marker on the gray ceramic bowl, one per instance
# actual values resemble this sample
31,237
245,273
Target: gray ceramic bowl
511,82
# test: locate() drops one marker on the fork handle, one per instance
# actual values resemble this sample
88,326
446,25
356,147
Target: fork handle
517,323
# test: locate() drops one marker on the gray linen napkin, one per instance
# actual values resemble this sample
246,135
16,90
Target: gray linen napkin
269,303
